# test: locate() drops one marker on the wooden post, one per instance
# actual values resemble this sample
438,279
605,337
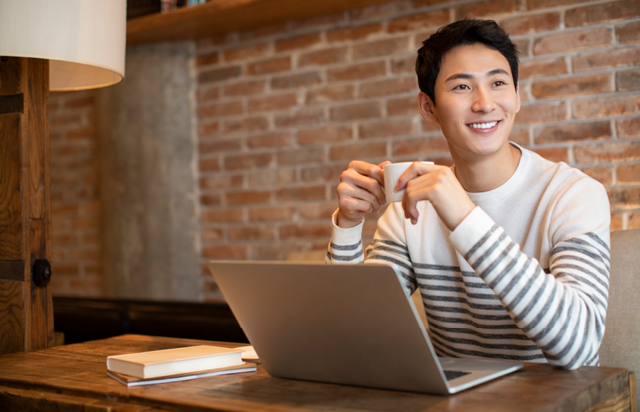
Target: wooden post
26,312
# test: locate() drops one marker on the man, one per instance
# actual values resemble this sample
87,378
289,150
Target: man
509,250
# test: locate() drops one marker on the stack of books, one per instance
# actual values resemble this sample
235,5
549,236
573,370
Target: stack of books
174,365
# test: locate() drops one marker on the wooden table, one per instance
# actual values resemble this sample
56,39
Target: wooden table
73,377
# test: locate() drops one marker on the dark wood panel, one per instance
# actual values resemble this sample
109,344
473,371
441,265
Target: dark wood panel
12,104
12,270
220,16
12,321
11,240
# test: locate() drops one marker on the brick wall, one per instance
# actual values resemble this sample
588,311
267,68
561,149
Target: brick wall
283,109
75,201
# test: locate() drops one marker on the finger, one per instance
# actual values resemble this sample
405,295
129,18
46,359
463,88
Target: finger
367,183
368,169
346,191
416,169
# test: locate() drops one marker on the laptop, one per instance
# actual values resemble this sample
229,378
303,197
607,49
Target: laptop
342,324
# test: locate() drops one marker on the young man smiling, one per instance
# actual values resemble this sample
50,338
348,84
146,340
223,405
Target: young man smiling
509,250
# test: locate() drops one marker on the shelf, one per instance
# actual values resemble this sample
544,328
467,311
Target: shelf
221,16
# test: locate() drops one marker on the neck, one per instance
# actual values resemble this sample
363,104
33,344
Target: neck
486,173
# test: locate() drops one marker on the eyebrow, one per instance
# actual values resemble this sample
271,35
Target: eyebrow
468,76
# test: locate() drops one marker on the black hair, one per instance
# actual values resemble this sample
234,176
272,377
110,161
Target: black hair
460,33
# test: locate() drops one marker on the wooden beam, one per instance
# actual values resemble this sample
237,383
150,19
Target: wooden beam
221,16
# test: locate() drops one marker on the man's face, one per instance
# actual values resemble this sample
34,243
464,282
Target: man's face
476,101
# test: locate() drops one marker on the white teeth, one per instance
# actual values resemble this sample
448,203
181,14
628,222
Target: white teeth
483,125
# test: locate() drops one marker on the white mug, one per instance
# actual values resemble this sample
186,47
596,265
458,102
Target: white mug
392,173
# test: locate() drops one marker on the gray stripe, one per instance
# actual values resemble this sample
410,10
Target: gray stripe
433,318
390,243
454,279
543,333
545,309
466,341
580,353
555,341
582,283
443,341
590,245
570,343
388,249
508,247
600,241
457,290
474,315
345,247
346,258
508,269
533,302
501,336
525,288
390,259
451,354
462,300
581,269
480,242
558,249
489,251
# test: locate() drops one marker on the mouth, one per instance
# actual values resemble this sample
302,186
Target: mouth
481,126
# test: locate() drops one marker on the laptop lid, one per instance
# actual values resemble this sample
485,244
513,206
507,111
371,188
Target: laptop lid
346,324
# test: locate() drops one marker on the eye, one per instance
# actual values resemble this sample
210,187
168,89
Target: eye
461,87
499,83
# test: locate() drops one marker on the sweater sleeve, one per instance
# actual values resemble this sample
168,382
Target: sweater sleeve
388,247
562,312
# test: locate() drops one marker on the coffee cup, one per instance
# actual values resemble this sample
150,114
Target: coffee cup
392,173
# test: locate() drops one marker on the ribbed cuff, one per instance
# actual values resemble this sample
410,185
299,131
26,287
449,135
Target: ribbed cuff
345,236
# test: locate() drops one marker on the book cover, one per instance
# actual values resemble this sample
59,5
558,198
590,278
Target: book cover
176,361
132,381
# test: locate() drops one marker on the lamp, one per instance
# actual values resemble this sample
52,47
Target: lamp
57,45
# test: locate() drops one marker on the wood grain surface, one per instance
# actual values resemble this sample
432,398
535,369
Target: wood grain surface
79,371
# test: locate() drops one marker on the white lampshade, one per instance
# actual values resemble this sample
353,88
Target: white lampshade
83,39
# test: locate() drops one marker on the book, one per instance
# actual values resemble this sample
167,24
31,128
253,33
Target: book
176,361
249,354
132,381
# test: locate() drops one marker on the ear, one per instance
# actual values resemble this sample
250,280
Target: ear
518,97
427,108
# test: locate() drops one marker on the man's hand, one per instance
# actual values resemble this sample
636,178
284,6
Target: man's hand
438,185
361,190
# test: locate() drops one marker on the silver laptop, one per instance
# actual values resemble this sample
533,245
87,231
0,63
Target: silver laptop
344,324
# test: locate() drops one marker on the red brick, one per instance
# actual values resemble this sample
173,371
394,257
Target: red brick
485,8
270,177
80,102
275,251
222,216
65,120
81,133
520,136
360,151
626,198
317,210
628,127
210,200
245,88
574,132
419,146
276,139
404,65
542,68
542,113
531,24
323,57
271,213
357,71
305,117
628,80
606,106
248,52
269,103
599,13
428,126
323,173
52,105
296,80
436,18
220,109
522,45
248,197
319,21
218,146
210,93
555,154
221,181
274,65
251,233
208,128
403,106
306,230
301,156
573,40
207,59
211,234
543,4
330,94
389,87
607,152
572,86
208,42
327,134
300,193
380,48
68,209
634,221
628,33
628,56
246,124
381,10
298,42
261,32
629,174
225,252
616,221
386,128
353,33
218,75
356,111
247,161
208,165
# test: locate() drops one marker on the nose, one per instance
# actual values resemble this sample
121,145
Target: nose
483,102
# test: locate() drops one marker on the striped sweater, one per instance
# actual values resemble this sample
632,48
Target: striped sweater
523,277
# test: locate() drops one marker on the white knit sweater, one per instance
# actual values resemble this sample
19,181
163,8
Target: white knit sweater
524,277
